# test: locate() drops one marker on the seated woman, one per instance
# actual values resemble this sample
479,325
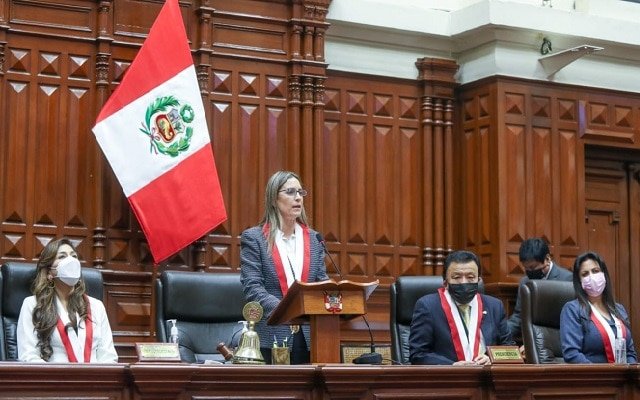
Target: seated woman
60,323
593,327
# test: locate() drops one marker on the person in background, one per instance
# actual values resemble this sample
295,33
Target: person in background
455,325
60,323
593,327
536,261
274,254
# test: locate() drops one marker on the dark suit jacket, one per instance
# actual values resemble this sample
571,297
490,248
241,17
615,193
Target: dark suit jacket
260,280
557,273
430,339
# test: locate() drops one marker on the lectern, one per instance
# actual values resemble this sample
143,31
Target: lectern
323,305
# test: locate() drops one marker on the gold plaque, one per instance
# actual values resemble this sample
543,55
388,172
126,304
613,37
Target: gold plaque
505,355
158,352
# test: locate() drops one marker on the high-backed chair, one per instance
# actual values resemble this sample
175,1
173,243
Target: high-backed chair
207,307
542,302
405,292
15,285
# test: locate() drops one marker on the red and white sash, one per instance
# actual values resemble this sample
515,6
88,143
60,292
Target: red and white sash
467,348
608,338
72,344
277,260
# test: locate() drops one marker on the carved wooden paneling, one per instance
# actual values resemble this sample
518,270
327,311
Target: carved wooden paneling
531,183
569,191
515,145
71,18
610,119
394,184
479,177
47,156
372,157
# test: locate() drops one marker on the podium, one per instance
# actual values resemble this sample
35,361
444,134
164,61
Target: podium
323,305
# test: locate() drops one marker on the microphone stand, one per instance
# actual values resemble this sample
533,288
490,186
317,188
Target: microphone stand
373,357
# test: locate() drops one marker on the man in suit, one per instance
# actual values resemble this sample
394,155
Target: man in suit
455,325
536,261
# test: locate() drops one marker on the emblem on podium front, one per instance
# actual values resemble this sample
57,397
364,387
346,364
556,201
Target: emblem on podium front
333,302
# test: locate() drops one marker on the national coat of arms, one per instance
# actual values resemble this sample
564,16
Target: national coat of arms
167,124
333,302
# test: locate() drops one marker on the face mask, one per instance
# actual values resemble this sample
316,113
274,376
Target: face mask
535,273
69,270
594,284
463,293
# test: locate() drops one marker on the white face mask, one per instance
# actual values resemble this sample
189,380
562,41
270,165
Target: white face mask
69,270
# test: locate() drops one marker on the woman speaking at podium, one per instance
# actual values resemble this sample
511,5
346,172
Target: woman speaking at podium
274,254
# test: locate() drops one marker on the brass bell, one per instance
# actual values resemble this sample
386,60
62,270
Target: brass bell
249,349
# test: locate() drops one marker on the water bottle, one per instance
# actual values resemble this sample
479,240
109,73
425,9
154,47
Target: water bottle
620,351
173,335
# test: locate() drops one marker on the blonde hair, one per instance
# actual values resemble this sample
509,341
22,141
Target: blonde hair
271,212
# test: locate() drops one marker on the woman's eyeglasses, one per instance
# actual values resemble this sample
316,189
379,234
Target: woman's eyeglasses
293,191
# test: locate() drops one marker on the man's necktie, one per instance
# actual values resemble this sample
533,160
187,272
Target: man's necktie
465,311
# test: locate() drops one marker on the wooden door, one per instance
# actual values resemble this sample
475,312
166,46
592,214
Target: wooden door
612,202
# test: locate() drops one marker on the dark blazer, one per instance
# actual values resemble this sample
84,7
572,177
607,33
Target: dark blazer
581,340
557,273
260,280
430,339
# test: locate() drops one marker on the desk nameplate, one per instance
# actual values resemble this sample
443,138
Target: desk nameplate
154,352
505,355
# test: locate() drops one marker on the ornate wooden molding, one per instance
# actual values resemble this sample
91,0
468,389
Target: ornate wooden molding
438,81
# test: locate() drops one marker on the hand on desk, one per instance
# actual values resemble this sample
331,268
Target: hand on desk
480,360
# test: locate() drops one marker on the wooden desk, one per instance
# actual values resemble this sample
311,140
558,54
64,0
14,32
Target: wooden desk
317,382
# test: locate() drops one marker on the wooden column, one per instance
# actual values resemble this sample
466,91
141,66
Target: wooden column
306,90
103,60
438,82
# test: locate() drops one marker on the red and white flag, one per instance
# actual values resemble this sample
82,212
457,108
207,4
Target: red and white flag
154,133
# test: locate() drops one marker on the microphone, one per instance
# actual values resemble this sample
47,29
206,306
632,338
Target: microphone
373,357
324,246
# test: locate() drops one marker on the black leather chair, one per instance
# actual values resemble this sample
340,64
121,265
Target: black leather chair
405,292
207,307
542,302
15,285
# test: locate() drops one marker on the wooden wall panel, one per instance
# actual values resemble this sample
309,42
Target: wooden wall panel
49,157
538,183
479,180
515,179
374,204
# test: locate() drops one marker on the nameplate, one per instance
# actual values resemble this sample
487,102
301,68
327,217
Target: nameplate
505,355
155,352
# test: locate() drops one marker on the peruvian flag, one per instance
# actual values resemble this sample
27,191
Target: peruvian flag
154,133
